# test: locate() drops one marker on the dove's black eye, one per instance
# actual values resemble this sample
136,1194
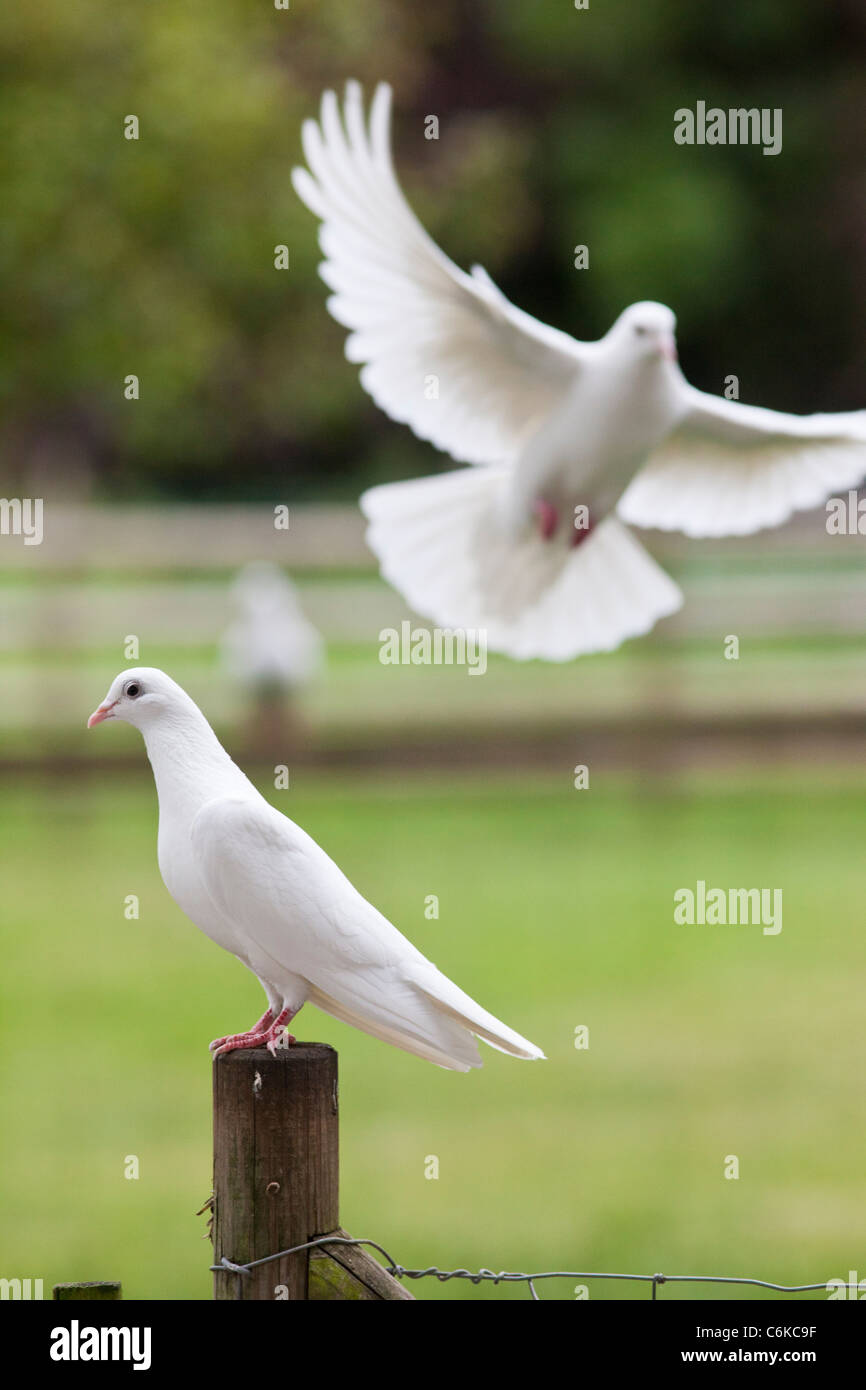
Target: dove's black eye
641,330
133,689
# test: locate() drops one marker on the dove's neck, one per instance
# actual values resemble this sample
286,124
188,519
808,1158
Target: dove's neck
190,765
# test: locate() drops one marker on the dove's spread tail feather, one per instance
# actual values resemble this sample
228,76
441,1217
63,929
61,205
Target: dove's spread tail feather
442,543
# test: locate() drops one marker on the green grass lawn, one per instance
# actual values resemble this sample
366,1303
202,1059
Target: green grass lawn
556,910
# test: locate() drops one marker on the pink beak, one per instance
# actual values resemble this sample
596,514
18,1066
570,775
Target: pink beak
668,347
104,712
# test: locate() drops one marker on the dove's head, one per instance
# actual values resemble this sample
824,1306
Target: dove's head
141,696
647,329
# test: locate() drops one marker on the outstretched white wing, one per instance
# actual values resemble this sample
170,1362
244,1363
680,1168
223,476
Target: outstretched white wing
444,352
730,469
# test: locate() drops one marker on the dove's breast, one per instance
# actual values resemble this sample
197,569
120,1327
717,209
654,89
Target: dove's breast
589,449
183,881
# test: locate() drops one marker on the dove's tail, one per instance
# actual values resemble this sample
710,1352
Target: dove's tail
425,1013
453,1004
442,544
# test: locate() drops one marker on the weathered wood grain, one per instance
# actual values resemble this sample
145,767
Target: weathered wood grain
275,1164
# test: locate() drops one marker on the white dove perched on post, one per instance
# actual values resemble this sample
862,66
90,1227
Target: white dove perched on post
575,438
259,886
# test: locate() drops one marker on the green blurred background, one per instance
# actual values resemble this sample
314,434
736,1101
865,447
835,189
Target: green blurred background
155,257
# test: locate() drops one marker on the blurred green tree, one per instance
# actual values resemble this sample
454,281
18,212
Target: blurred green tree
155,256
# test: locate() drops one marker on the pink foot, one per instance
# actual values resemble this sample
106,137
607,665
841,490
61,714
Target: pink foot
273,1034
237,1039
580,534
548,517
278,1033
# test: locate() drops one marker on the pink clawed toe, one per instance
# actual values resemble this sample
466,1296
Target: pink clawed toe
278,1034
271,1031
257,1031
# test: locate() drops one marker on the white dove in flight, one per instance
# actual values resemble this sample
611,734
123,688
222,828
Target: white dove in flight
259,886
576,437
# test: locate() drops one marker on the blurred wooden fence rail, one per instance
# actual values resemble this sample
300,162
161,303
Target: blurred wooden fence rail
205,536
276,1180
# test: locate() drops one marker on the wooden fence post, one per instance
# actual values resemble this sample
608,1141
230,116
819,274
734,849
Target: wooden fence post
93,1290
276,1178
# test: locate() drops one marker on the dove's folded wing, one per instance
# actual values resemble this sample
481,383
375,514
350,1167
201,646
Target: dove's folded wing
298,918
730,469
443,352
285,896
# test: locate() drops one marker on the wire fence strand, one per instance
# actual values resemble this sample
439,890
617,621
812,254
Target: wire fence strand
489,1276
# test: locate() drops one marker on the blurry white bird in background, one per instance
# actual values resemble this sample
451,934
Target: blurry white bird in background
260,887
270,647
575,437
271,651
